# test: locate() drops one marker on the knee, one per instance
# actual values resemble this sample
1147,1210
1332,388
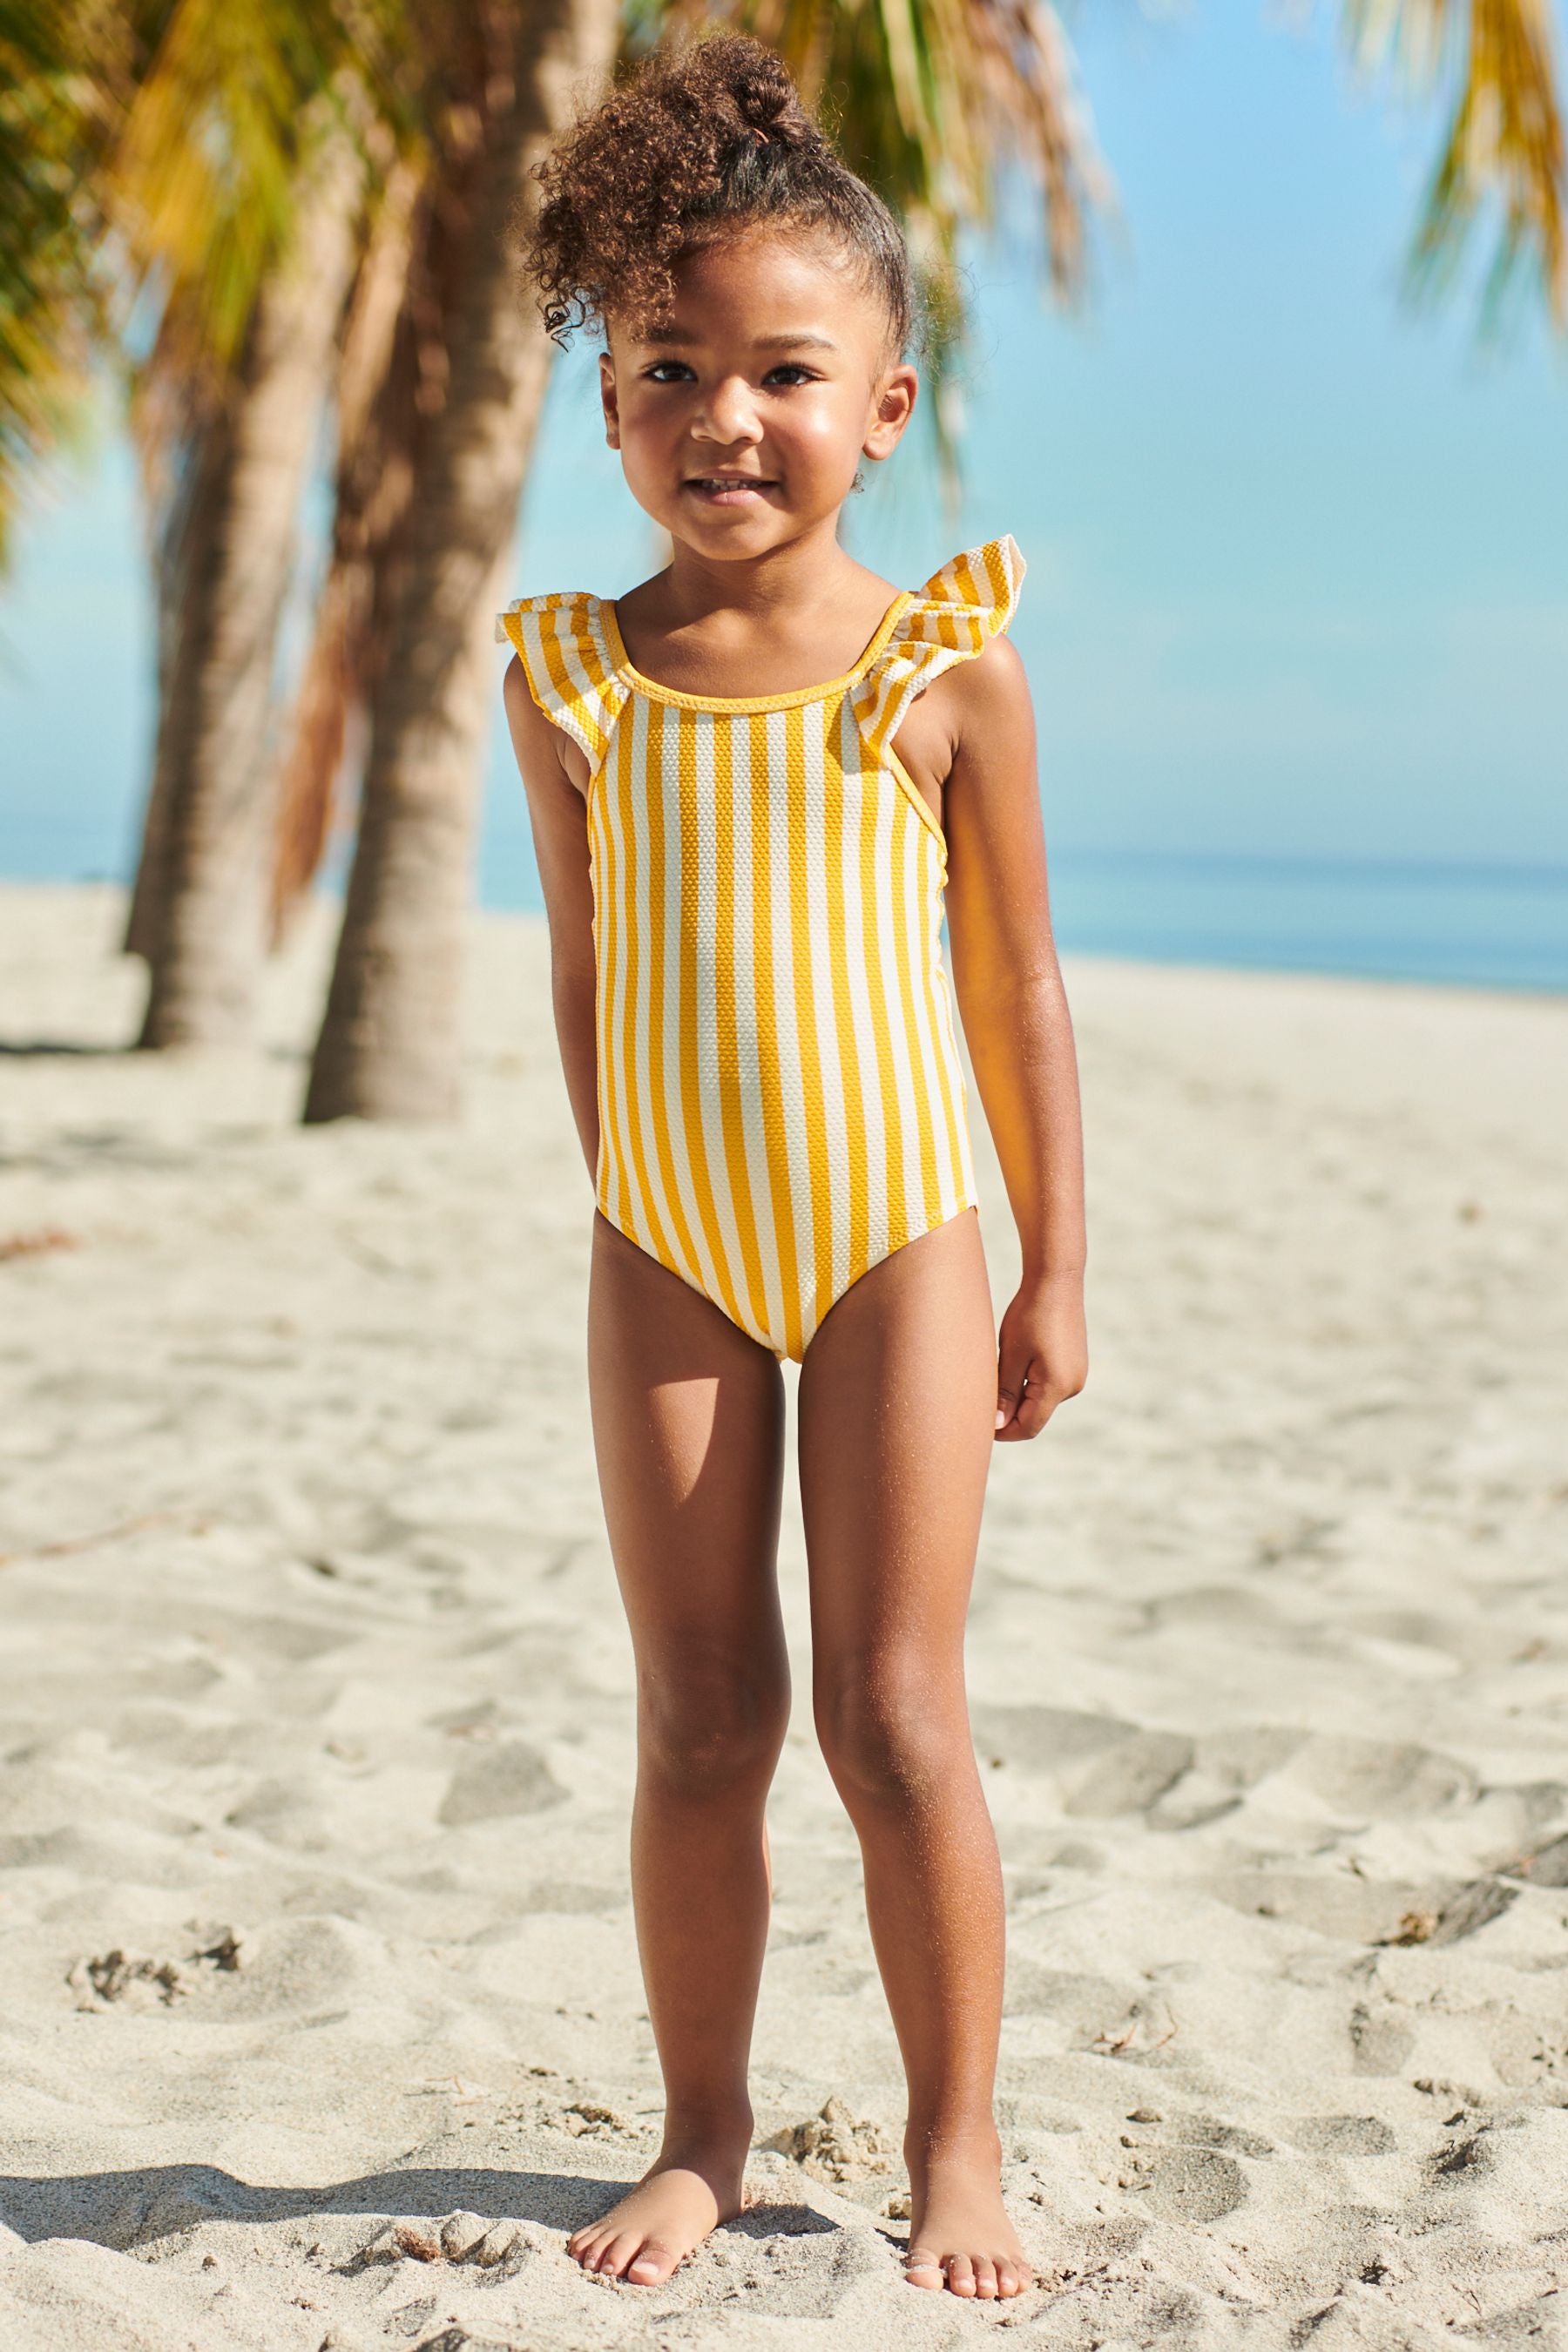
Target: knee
892,1736
710,1723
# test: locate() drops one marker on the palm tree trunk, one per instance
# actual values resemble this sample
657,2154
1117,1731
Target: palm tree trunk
205,916
378,437
389,1045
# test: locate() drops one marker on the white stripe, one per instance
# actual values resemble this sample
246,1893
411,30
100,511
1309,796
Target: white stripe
857,964
591,696
748,1065
620,1079
540,672
605,919
811,837
792,1084
665,719
710,1098
917,911
893,813
947,1041
638,912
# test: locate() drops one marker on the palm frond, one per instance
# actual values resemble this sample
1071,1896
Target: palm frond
59,73
1504,144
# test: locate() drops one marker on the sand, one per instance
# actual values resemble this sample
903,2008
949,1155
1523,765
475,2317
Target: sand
319,1997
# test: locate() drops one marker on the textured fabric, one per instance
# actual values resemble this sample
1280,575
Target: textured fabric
780,1099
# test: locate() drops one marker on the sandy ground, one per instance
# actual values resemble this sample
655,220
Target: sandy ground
316,1712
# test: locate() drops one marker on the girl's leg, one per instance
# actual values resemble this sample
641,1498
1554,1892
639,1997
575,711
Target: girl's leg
689,1431
898,1404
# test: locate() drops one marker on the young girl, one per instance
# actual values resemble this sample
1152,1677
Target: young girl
749,780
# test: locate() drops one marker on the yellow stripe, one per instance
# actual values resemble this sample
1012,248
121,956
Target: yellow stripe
806,985
833,724
878,966
947,1069
571,699
728,1040
632,898
691,1092
768,1053
617,1163
924,1128
685,1259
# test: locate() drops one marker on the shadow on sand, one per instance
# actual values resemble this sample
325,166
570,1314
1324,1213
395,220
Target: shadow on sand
119,2210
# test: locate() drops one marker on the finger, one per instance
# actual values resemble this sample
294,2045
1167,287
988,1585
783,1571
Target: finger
1041,1399
1033,1407
1012,1376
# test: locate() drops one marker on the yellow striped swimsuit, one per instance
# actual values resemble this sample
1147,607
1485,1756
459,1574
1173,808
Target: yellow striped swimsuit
781,1100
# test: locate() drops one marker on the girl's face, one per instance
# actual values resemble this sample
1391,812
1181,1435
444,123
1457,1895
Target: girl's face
741,417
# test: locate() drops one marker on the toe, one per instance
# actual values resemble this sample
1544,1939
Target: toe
985,2276
922,2268
655,2262
1008,2281
961,2274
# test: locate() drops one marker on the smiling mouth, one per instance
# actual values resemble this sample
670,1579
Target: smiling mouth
730,485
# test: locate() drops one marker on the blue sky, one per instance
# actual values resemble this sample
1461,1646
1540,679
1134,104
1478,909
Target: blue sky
1299,558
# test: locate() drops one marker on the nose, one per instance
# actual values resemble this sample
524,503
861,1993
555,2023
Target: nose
727,415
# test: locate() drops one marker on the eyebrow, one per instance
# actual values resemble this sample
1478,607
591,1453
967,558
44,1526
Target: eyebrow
682,339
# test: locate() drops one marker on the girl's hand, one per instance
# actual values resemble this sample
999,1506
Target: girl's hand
1042,1354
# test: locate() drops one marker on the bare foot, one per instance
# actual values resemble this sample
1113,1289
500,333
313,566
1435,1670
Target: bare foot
686,2192
959,2236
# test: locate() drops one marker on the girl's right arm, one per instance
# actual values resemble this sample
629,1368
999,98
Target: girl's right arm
550,766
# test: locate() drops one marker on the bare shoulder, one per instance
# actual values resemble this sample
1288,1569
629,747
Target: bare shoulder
994,685
978,702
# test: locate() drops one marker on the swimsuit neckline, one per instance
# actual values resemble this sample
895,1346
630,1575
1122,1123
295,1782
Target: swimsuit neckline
627,668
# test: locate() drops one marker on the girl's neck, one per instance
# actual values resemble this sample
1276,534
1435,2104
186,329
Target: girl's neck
760,589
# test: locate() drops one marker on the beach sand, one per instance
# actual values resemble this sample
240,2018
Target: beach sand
320,2005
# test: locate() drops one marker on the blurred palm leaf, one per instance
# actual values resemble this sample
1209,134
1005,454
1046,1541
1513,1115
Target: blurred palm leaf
57,80
1505,137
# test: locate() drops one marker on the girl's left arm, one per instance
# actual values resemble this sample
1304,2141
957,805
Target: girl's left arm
1017,1026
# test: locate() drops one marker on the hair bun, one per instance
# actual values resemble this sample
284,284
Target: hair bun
706,137
764,97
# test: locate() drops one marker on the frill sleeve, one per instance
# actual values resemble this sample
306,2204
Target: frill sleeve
565,649
953,617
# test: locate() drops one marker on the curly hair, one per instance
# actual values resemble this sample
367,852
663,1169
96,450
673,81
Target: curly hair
700,140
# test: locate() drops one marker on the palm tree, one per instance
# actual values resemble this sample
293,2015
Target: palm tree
201,915
235,190
389,1042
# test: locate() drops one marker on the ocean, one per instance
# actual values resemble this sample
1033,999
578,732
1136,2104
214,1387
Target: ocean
1474,924
1488,926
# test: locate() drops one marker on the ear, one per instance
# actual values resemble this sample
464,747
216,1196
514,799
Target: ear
894,403
607,400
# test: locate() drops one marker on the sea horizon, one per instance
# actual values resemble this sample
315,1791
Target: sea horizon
1496,924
